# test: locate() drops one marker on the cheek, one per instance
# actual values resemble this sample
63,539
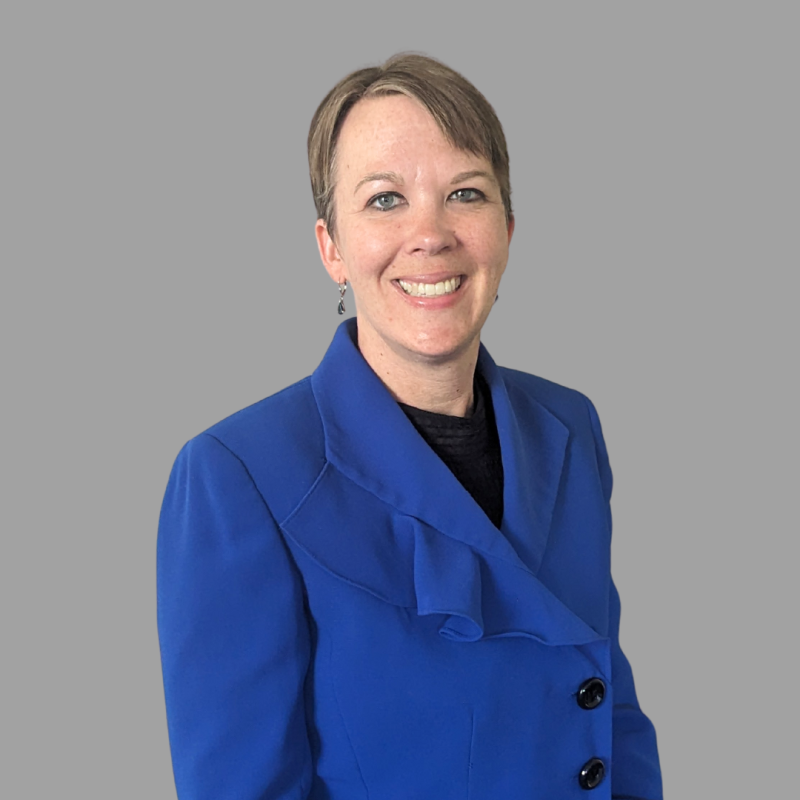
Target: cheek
490,248
368,253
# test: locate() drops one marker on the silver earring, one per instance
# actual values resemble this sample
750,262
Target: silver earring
496,297
342,290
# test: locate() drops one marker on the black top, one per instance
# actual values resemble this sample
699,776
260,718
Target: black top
469,446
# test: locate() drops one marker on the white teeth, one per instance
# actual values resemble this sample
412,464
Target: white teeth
430,289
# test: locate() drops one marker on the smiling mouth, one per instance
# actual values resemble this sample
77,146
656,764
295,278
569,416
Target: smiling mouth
430,289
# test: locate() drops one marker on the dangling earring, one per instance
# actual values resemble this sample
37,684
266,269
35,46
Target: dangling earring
496,297
342,290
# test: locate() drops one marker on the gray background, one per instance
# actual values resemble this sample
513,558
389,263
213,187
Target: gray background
159,272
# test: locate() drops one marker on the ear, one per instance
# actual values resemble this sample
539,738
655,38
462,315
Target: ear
510,228
329,253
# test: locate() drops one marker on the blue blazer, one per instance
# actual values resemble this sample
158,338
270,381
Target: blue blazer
339,619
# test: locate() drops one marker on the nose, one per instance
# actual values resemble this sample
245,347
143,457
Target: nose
430,233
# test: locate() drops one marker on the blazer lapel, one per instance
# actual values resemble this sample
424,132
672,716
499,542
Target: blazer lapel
533,445
371,441
482,579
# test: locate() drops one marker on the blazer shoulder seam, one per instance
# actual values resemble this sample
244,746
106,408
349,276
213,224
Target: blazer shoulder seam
308,494
256,487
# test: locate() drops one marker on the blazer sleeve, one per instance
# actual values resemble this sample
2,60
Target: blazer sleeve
233,634
635,769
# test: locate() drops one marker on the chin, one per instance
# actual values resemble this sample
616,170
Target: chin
444,345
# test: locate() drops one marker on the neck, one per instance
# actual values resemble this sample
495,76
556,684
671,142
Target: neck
443,386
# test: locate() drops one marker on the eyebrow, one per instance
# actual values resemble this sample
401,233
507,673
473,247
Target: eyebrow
473,173
392,177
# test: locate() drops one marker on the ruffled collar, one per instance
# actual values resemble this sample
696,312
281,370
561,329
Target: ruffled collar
482,579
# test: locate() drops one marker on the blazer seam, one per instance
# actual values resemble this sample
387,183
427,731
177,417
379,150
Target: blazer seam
343,720
305,497
278,526
247,472
433,527
308,619
471,754
258,490
343,578
330,465
400,511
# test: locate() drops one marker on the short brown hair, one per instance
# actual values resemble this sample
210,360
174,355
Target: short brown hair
464,115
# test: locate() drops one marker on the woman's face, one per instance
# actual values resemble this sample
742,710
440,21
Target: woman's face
421,234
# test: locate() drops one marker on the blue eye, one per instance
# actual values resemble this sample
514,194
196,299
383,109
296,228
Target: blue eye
385,202
467,195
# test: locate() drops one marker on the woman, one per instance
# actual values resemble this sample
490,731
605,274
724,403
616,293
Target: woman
391,580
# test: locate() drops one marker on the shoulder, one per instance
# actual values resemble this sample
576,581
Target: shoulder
278,440
564,403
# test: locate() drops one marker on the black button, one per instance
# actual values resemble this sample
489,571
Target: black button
591,693
592,774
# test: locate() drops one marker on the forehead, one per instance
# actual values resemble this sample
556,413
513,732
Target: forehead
395,133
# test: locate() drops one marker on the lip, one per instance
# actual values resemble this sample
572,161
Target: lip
430,277
434,301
